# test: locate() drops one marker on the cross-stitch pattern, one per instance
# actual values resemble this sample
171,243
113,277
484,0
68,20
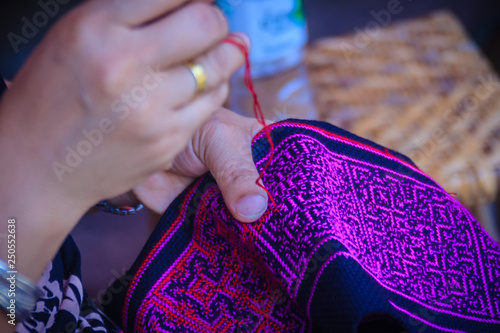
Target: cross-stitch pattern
357,231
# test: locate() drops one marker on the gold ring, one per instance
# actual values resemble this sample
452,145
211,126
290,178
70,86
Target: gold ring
199,75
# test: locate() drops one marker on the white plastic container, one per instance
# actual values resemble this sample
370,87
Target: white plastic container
277,29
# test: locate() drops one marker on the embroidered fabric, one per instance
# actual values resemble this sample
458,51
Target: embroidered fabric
359,239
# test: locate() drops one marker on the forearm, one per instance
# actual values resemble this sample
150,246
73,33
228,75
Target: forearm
40,230
39,220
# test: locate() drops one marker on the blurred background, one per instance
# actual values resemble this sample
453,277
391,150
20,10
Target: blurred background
397,88
480,18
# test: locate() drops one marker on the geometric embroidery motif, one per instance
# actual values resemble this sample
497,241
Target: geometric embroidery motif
412,237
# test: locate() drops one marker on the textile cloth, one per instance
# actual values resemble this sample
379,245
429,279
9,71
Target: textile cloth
359,240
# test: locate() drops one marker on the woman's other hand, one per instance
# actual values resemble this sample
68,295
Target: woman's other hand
222,146
103,103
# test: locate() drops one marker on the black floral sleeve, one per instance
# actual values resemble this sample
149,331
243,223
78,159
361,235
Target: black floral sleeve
65,306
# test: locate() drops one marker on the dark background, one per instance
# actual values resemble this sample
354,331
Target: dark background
109,243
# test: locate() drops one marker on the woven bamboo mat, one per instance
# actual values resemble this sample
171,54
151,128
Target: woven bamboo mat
420,87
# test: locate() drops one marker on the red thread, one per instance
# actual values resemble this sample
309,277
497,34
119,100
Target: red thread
257,110
388,153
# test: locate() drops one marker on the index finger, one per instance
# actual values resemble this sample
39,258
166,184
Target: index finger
139,12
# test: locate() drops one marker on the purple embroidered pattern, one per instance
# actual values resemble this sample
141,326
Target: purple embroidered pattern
403,232
415,239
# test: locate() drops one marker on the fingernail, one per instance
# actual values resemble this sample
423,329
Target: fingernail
244,38
251,207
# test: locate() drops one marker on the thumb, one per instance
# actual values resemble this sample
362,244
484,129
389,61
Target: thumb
229,158
236,178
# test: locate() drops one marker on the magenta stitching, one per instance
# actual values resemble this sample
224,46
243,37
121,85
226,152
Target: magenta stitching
306,138
492,321
481,267
425,321
283,152
373,150
318,276
150,292
153,255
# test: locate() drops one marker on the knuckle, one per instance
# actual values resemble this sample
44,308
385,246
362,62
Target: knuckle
218,63
83,39
236,174
109,74
78,30
209,19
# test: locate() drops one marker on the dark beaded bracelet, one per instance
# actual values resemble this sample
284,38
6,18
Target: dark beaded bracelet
105,206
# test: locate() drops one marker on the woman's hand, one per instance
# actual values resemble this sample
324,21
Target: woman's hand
223,147
102,104
105,101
